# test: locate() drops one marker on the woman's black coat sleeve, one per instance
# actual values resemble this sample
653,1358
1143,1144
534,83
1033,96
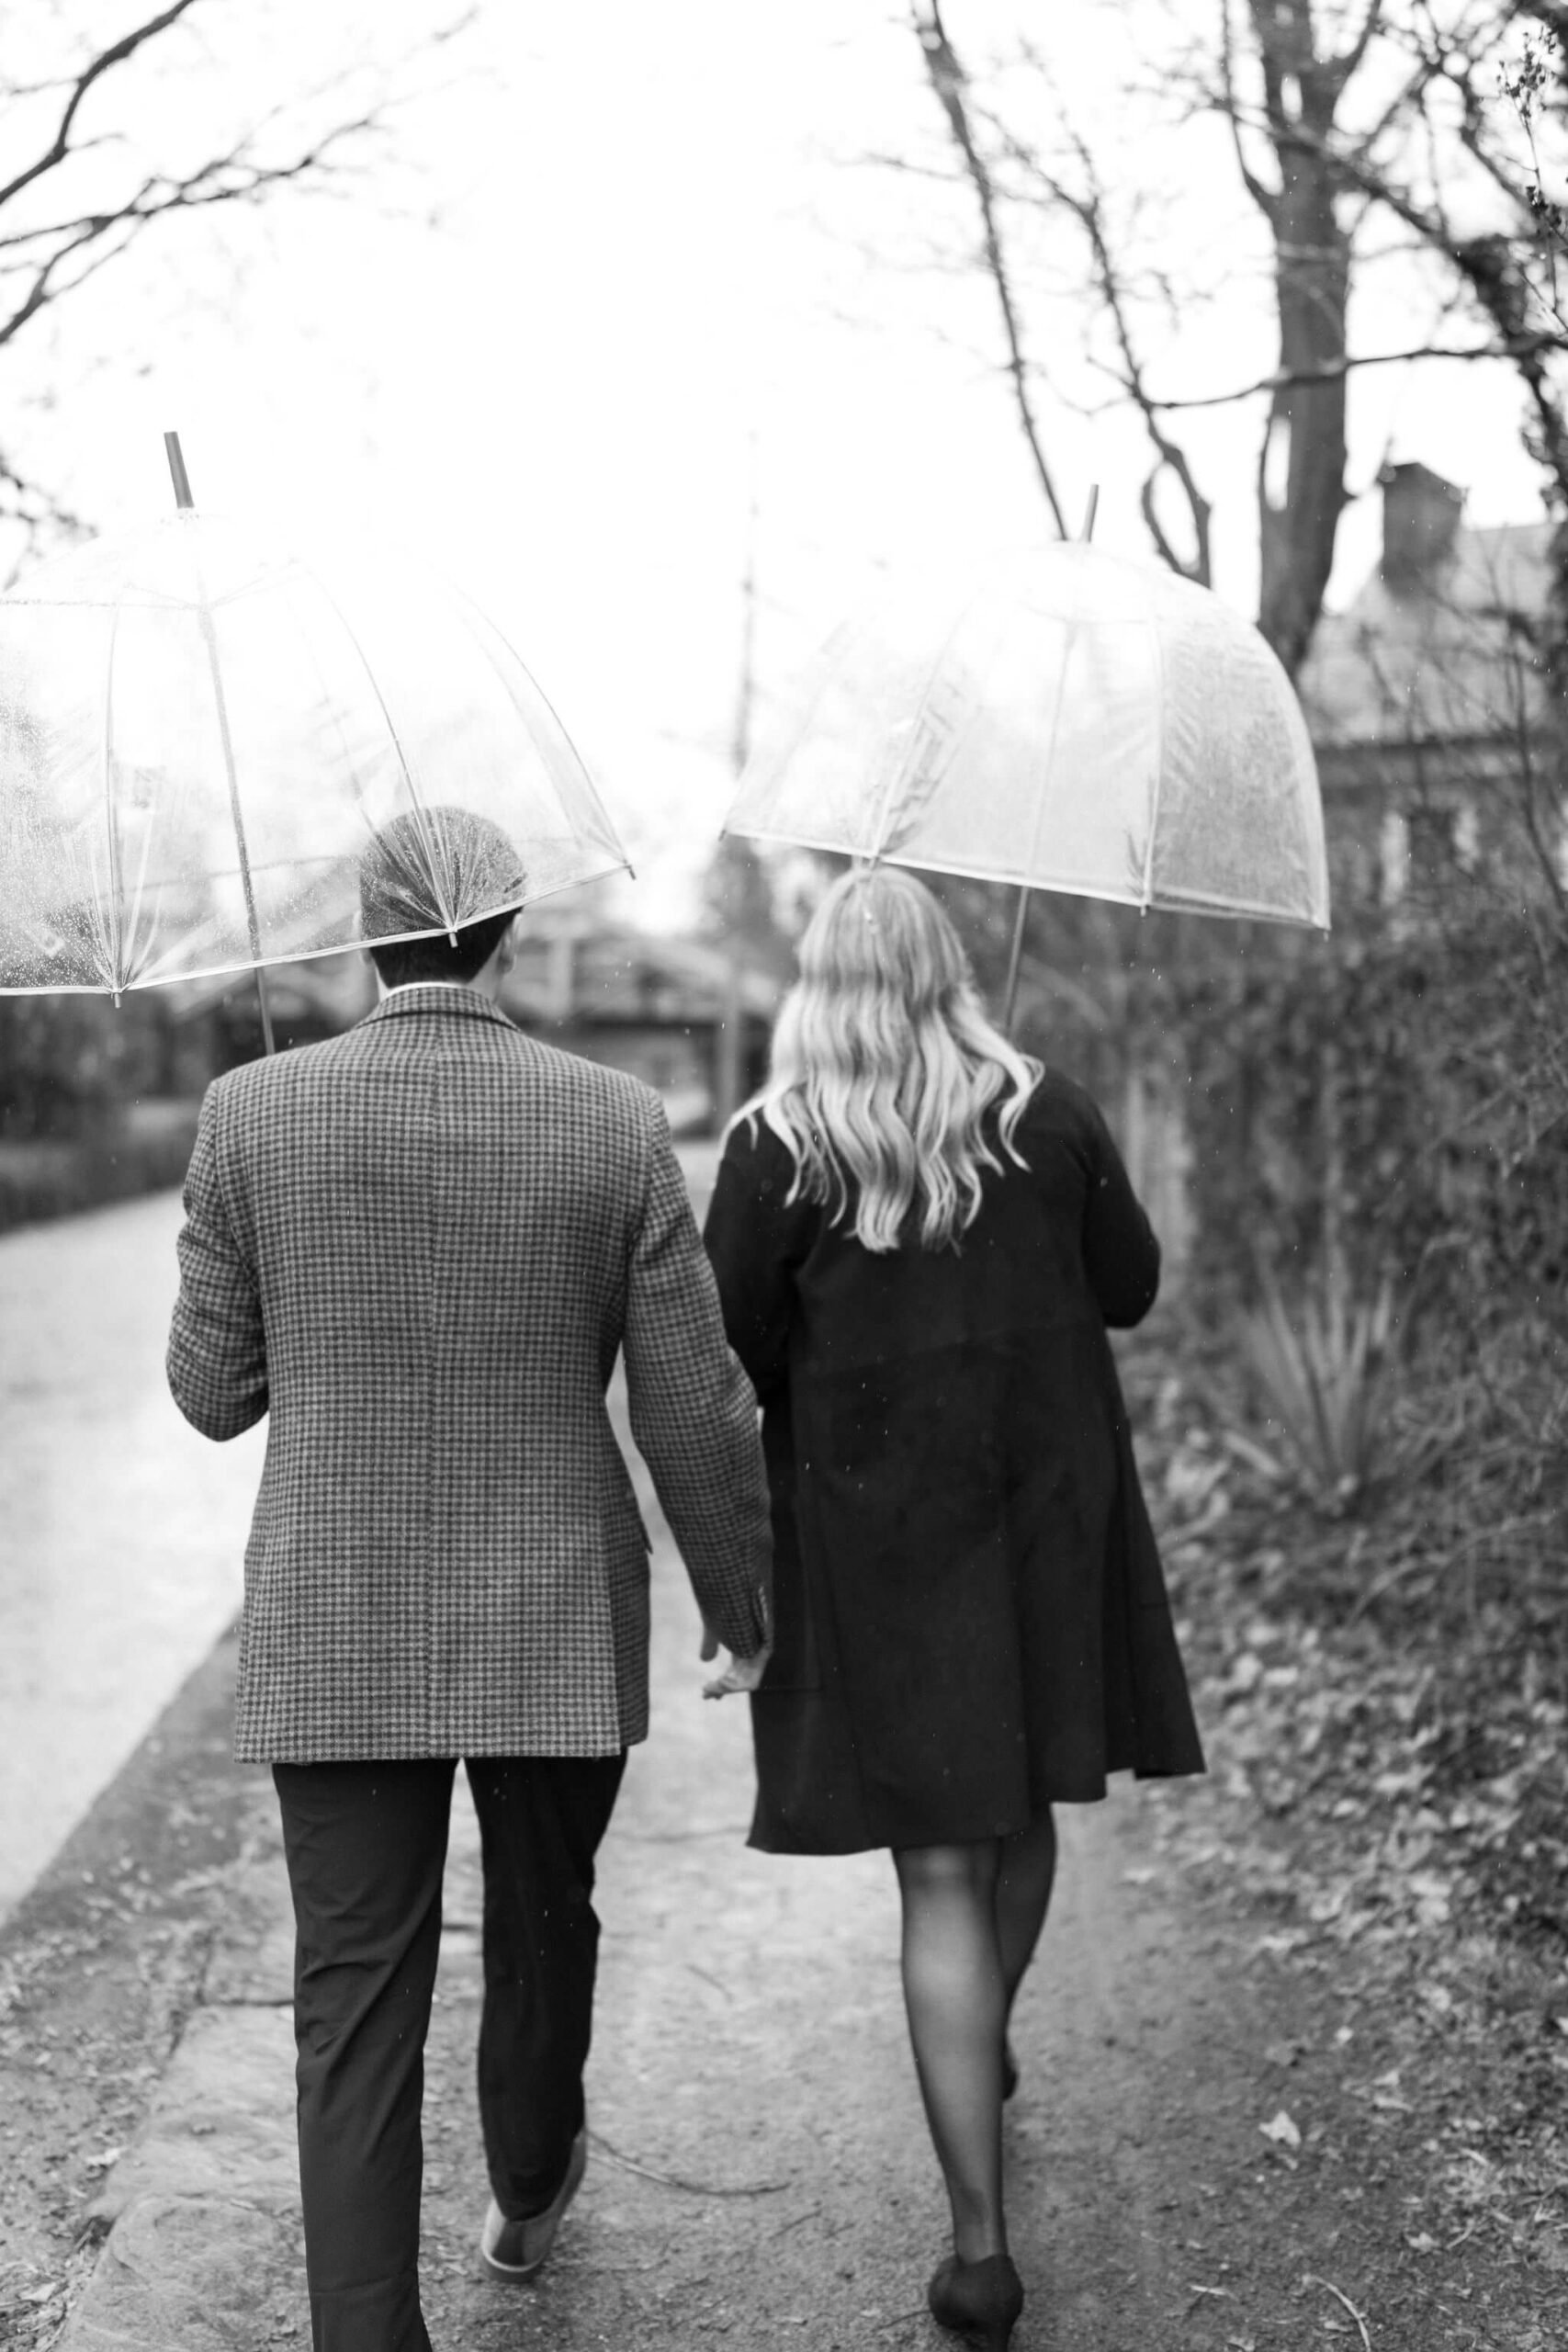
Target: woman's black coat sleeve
753,1236
1121,1253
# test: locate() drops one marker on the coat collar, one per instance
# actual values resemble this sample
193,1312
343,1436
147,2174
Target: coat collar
458,1003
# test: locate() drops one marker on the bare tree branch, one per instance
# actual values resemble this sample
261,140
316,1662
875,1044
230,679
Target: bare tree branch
1340,69
1352,129
1515,348
225,179
105,62
45,259
947,80
1088,211
1264,198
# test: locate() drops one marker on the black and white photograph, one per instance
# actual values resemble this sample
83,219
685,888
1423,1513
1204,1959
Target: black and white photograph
783,1175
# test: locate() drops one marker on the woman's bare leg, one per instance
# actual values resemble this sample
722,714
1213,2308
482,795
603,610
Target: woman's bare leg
1024,1880
957,1997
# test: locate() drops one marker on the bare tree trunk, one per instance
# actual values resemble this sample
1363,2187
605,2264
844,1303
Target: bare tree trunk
1302,468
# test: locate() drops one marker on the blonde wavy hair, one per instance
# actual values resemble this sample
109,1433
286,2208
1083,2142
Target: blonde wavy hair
883,1067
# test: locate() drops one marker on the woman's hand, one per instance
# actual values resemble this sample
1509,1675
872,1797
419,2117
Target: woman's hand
738,1674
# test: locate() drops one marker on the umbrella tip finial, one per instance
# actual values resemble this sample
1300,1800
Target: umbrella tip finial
177,471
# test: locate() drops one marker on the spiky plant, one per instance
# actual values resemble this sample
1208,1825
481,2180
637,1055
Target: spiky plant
1324,1367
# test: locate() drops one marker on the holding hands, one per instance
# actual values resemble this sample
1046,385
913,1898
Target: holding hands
738,1674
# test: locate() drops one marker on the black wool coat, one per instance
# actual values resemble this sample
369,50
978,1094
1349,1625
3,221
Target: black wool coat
971,1617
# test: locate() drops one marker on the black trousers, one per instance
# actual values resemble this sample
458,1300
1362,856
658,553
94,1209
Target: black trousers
366,1846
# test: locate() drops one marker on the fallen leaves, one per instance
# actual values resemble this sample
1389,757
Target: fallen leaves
1388,1791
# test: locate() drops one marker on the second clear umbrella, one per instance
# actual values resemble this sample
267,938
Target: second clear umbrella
1066,720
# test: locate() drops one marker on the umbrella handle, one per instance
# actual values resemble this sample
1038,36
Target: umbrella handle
1015,961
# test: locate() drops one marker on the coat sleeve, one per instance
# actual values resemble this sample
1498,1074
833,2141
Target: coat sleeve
1121,1253
217,1357
747,1237
693,1414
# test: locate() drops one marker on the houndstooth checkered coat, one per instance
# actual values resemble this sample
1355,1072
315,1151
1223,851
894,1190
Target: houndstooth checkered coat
419,1247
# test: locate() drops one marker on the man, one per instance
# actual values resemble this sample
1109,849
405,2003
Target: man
420,1248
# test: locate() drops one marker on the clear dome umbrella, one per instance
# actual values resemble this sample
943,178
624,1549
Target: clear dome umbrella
1065,720
201,727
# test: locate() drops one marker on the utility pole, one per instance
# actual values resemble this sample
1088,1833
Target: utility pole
730,1056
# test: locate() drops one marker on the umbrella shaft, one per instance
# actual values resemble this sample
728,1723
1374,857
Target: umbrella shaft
269,1041
1015,961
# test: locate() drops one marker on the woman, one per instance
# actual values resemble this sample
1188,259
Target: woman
919,1236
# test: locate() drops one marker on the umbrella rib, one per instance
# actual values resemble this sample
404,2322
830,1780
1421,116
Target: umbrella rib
84,870
927,695
130,959
484,626
787,751
1149,897
296,573
427,839
300,954
140,895
115,923
220,702
1036,830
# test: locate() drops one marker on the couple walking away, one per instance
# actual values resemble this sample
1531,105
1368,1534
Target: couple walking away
420,1248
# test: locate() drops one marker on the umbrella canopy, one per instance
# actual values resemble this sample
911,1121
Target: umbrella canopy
200,729
1072,721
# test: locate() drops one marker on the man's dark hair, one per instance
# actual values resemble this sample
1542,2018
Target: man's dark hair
403,961
433,870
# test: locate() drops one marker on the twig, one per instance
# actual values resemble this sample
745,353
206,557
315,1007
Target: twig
1198,2294
812,2213
1435,1563
1421,1561
1311,2278
948,81
1329,371
677,2180
717,1981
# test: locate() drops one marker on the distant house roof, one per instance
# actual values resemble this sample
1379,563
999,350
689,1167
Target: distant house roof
1443,644
612,973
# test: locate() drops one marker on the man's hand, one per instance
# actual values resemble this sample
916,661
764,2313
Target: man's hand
739,1674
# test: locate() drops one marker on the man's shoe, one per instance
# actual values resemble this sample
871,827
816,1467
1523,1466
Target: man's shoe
516,2250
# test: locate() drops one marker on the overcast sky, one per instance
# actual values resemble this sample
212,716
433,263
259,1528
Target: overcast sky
635,267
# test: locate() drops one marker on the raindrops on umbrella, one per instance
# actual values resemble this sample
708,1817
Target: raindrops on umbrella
201,726
1064,720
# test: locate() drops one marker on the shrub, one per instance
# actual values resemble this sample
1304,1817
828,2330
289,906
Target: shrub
1325,1371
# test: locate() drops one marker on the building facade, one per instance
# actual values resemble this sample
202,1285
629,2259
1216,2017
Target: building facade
1430,704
